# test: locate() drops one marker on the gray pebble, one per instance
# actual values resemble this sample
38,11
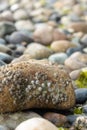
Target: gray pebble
81,95
58,58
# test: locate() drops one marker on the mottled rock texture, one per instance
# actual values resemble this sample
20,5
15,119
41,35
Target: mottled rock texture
34,84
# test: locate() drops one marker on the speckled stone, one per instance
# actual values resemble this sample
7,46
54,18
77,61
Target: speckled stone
34,85
81,123
61,46
38,51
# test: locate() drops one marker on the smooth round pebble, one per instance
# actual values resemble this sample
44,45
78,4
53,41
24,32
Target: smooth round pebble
36,123
57,119
78,26
58,58
39,51
5,57
61,45
75,74
81,95
19,37
5,49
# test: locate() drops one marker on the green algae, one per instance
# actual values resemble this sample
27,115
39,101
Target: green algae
81,82
78,110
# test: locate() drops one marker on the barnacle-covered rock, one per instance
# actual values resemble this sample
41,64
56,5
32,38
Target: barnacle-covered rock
33,84
81,123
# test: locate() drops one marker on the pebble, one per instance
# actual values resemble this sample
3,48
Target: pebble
79,27
77,60
81,95
36,123
55,17
5,49
19,37
58,120
75,74
61,46
39,51
24,25
5,57
6,28
47,34
72,50
72,118
43,35
20,14
83,40
6,16
58,58
12,120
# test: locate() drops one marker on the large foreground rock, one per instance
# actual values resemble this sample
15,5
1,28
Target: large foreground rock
33,84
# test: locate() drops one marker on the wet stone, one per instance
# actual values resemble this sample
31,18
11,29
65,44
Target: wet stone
81,95
5,57
6,28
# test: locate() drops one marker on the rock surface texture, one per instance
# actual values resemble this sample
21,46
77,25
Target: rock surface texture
34,85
